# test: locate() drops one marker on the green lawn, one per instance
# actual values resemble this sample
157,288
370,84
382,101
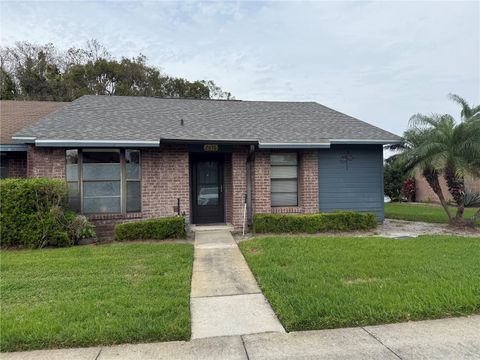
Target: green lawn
421,212
329,282
90,295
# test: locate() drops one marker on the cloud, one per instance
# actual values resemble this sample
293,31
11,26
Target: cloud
378,61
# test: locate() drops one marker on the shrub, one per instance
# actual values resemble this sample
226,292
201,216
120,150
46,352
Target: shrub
78,227
152,229
394,174
472,198
32,213
313,223
408,189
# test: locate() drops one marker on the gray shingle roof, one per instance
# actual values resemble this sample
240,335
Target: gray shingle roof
144,119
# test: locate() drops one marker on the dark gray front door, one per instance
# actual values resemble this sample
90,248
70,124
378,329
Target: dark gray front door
207,189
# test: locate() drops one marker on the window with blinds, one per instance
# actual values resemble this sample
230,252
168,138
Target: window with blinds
103,180
284,179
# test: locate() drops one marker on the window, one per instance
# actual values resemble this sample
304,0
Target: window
103,180
284,179
132,176
73,182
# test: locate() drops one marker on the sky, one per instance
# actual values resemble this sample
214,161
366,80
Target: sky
378,61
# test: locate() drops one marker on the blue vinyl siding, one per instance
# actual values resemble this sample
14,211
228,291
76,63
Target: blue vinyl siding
358,188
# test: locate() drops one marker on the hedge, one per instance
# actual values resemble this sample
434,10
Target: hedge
313,223
32,213
152,229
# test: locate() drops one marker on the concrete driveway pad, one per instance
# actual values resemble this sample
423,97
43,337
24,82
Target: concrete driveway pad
232,315
221,272
351,343
454,338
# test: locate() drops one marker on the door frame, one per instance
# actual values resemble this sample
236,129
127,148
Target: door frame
197,157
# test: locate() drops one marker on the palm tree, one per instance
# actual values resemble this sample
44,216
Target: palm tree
467,112
436,145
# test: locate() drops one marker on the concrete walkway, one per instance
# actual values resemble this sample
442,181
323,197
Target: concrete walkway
225,298
455,338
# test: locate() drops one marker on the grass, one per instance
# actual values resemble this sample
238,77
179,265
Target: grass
84,296
421,212
329,282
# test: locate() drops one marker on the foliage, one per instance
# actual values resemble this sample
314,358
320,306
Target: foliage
408,189
42,72
329,282
8,89
32,214
152,229
472,198
78,227
394,174
313,223
90,296
430,213
436,145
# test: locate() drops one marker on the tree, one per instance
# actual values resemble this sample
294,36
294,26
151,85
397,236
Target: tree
394,174
436,145
7,86
467,112
41,72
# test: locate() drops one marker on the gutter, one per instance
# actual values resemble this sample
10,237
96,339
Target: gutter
85,143
325,145
364,141
209,141
13,147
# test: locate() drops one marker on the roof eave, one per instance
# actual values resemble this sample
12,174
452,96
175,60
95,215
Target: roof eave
363,141
324,145
13,147
95,143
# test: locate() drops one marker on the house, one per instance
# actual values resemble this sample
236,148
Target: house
424,193
14,116
129,158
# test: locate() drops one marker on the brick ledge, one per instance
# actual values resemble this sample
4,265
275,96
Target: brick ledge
136,215
288,210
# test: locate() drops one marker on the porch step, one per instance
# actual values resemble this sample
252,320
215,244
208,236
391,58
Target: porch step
212,227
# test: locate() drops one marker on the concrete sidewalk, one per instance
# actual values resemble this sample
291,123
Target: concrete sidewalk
225,298
455,338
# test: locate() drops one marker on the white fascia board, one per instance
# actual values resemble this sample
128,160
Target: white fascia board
95,143
23,139
206,140
294,145
363,141
13,147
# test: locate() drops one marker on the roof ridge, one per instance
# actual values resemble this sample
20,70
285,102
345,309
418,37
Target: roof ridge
196,99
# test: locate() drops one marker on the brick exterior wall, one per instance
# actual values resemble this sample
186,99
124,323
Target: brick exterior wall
166,177
45,163
308,182
261,202
424,193
307,185
239,186
17,164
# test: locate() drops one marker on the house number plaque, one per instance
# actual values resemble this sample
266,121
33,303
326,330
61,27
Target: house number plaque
210,147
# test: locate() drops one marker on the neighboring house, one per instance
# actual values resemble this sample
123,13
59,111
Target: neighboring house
424,193
14,116
126,158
